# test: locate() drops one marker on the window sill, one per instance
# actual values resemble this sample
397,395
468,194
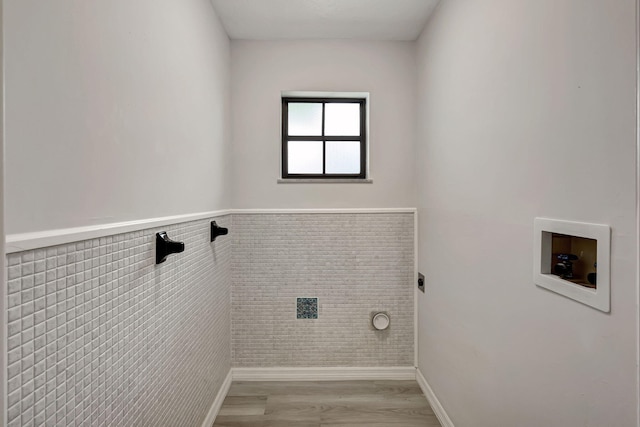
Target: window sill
325,181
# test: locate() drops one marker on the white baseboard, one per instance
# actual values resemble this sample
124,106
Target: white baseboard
323,374
217,403
433,400
325,211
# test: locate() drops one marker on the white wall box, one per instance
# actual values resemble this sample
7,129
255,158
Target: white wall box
559,245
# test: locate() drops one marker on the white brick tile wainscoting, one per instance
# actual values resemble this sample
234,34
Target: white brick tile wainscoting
101,336
354,263
98,335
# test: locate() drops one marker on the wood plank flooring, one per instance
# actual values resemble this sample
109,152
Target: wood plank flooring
326,404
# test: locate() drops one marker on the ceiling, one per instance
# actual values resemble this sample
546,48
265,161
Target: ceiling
324,19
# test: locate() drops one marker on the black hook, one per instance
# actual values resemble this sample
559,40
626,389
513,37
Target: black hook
217,231
165,246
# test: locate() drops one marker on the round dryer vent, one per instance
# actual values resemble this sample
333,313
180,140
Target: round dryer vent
380,321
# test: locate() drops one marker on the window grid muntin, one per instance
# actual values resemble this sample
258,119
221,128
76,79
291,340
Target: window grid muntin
286,138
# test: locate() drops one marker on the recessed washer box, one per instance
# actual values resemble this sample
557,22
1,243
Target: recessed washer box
573,259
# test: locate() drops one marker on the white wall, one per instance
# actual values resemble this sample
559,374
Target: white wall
527,108
3,351
262,69
115,110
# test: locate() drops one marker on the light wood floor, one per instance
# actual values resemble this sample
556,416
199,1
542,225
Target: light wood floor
326,404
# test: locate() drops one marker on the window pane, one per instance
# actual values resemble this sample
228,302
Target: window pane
304,156
343,157
342,119
305,119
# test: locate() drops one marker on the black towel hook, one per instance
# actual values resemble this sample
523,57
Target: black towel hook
217,231
165,246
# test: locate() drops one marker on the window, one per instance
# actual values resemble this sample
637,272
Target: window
324,138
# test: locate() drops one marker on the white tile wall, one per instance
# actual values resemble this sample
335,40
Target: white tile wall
355,264
98,335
